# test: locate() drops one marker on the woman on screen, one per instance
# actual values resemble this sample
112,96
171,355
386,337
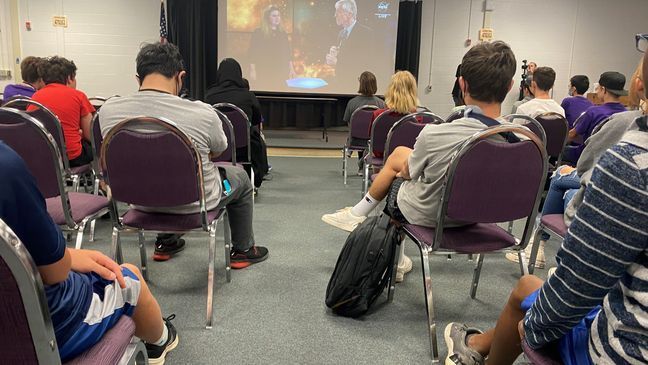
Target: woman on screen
232,88
270,54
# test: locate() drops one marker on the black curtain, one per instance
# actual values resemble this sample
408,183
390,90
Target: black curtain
193,28
408,41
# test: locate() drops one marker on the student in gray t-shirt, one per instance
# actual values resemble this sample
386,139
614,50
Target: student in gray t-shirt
487,72
160,72
367,90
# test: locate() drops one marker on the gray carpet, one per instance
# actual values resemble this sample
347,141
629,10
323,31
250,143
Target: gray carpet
291,138
274,312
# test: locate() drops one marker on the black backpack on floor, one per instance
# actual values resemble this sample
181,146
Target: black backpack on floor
364,267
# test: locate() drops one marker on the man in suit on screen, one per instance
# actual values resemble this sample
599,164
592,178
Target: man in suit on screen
352,42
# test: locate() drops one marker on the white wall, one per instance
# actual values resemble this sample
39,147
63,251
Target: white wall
571,36
102,38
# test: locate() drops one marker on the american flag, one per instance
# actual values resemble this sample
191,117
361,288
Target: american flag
163,24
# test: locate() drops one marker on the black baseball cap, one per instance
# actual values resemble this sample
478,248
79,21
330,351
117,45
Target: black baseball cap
613,82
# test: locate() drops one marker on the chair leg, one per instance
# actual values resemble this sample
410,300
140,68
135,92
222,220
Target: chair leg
116,251
510,227
476,274
429,304
142,249
227,238
392,281
345,151
210,275
252,181
79,237
92,230
75,183
534,251
365,181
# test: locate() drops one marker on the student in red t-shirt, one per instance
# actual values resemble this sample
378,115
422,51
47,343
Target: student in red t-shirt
71,106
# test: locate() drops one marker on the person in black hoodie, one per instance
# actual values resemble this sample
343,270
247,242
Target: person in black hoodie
232,88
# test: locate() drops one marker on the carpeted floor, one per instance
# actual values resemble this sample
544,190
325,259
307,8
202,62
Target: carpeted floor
274,312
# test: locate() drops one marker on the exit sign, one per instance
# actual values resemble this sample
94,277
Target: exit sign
60,21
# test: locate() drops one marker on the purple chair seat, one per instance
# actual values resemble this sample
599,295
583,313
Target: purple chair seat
82,205
555,222
373,177
112,346
167,222
475,238
79,170
545,356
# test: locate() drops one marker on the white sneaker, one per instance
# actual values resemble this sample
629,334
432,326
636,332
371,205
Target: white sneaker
403,269
540,258
344,219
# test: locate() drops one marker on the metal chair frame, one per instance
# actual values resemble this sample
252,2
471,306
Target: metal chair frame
426,250
536,244
219,109
370,147
59,161
32,292
346,149
209,227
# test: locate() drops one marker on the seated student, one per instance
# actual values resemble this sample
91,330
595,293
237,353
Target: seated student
72,108
602,263
576,103
567,185
412,180
160,72
541,85
231,88
71,70
367,91
31,80
401,98
610,89
86,291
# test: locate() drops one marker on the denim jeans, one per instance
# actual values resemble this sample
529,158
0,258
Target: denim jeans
561,190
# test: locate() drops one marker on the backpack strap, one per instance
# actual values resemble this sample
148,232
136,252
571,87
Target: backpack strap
490,122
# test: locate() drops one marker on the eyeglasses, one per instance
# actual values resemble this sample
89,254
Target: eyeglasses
641,42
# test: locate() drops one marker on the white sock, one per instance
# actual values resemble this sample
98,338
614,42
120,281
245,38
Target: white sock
164,338
365,206
401,257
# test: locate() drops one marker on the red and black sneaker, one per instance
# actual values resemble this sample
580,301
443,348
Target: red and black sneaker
243,259
164,250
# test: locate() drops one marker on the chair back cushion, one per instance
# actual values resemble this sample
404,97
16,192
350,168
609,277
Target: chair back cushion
232,139
496,182
151,169
34,147
17,344
360,121
556,131
379,130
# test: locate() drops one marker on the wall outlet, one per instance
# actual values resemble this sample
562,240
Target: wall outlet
428,89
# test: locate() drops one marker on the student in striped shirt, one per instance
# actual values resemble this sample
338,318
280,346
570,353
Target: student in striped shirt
596,303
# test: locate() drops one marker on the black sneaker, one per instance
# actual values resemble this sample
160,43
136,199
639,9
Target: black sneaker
164,250
156,354
243,259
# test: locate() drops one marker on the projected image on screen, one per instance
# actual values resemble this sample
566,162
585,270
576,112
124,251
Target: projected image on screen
309,46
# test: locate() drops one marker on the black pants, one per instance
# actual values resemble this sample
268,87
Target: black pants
85,157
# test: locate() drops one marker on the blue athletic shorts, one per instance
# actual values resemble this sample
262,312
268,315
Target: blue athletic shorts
109,302
574,345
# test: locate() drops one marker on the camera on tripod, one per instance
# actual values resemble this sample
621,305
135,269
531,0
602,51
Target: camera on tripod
524,83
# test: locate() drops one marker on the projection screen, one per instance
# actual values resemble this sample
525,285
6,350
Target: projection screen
301,46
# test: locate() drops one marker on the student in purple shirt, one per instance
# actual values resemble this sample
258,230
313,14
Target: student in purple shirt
576,103
610,89
31,80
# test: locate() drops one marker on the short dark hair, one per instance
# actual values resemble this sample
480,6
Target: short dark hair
161,58
488,69
29,69
56,70
580,82
544,77
368,86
